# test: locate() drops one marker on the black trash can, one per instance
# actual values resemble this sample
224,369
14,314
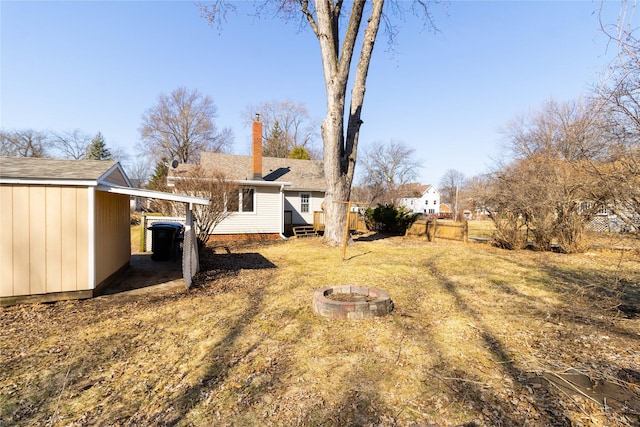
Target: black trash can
165,240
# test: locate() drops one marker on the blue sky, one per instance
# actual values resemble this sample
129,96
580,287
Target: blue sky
98,66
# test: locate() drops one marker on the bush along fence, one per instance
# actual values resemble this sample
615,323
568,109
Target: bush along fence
433,229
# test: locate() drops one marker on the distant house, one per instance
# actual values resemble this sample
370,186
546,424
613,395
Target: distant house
275,193
65,227
419,198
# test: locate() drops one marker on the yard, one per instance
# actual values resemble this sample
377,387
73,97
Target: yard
479,337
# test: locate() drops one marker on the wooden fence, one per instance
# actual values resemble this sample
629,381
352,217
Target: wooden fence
356,221
433,229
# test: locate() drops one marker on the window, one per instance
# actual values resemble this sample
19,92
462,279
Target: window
304,202
435,202
242,201
432,211
247,195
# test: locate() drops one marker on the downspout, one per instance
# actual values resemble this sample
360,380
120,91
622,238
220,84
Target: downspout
282,213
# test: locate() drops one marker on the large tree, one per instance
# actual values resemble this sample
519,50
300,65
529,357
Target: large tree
344,34
23,143
387,169
181,126
72,144
285,125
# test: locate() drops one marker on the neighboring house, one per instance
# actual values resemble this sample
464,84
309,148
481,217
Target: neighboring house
445,209
65,227
424,199
275,193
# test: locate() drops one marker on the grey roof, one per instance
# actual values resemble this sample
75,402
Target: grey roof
305,175
45,169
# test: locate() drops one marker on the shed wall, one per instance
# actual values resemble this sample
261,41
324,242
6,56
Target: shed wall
112,234
44,239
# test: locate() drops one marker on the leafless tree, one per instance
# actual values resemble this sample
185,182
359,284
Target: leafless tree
346,31
548,184
620,98
450,187
23,143
387,168
285,125
222,193
72,144
139,171
181,125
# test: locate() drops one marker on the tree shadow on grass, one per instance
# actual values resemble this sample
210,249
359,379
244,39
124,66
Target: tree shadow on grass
494,407
216,266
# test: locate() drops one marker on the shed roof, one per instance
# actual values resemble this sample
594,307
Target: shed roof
61,171
300,174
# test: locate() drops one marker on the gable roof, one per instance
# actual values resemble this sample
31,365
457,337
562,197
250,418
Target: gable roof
413,190
61,171
302,175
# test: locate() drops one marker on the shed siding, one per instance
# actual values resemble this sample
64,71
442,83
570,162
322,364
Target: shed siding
53,244
37,236
265,219
6,241
44,239
112,234
116,178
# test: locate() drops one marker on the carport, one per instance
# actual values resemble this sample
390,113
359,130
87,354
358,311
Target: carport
190,263
65,228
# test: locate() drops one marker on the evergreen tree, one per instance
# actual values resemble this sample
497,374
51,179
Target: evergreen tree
299,153
276,144
98,150
158,180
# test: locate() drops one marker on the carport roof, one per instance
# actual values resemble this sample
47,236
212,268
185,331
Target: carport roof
138,192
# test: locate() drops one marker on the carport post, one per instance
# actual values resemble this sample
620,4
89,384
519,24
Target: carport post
190,262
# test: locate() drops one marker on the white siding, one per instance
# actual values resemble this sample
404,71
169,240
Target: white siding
292,203
266,218
430,199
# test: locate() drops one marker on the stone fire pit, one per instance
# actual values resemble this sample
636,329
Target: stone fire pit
351,302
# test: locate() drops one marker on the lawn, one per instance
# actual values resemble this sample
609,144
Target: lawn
479,337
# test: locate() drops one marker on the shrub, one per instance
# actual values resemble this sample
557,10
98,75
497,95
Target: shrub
389,219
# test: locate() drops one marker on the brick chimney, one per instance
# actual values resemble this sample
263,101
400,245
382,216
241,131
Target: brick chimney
256,157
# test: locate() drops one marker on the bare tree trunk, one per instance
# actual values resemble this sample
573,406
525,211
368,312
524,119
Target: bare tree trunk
340,149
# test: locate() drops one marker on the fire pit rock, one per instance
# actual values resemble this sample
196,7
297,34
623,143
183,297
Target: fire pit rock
351,302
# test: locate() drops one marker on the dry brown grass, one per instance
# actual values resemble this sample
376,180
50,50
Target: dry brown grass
474,331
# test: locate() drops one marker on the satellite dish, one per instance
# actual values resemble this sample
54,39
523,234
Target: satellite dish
174,163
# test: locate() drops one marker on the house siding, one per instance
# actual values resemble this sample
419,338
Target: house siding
266,217
43,239
429,200
292,203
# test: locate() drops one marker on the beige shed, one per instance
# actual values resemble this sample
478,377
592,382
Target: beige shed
65,227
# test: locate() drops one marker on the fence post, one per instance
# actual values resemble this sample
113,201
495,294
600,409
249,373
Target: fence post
435,229
465,236
143,233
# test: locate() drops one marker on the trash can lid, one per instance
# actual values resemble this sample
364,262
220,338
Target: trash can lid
165,225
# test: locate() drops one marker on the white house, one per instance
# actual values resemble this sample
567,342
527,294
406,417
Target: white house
424,199
275,193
